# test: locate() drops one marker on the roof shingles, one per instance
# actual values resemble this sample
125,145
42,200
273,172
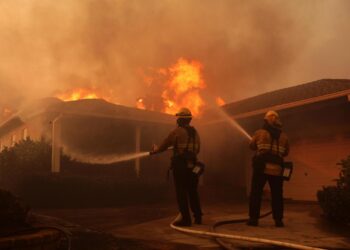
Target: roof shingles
288,95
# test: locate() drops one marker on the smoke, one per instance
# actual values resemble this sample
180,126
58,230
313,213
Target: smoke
246,47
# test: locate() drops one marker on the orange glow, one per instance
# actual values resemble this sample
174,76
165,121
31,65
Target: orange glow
220,101
183,86
6,112
175,87
140,104
80,93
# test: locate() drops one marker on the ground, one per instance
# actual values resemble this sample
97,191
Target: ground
147,227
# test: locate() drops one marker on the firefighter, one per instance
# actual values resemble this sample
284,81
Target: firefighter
186,145
270,145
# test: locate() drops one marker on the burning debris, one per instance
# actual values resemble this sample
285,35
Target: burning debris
220,101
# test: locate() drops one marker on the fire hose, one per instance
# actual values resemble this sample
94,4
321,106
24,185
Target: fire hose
226,222
219,236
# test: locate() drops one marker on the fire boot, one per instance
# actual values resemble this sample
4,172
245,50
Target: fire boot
182,223
279,223
198,220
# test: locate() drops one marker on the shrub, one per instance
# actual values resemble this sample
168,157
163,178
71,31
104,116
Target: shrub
335,200
25,158
60,191
13,212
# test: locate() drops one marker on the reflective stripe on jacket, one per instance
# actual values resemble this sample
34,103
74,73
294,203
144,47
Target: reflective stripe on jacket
261,142
179,138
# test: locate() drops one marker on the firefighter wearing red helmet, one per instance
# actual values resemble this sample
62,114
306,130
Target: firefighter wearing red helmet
186,145
271,146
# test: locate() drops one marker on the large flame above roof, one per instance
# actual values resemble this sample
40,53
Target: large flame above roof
77,94
183,87
180,85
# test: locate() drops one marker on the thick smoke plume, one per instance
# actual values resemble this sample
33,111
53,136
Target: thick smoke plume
246,47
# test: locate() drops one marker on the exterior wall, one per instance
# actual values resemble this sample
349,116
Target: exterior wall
315,166
320,138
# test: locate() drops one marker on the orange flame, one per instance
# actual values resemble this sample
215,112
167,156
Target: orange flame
220,101
80,93
179,86
140,104
183,87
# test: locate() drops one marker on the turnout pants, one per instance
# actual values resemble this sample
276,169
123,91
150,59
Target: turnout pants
186,184
259,180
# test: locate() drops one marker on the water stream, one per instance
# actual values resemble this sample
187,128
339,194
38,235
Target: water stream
233,123
109,159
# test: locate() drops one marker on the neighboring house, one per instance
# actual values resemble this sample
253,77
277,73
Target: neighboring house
316,117
87,128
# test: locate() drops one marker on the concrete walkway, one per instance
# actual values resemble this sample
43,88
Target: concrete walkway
304,225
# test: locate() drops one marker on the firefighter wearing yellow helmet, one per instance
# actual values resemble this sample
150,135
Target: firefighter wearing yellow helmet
186,145
271,146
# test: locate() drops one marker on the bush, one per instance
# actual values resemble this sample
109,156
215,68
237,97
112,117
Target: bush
13,212
335,200
61,191
25,158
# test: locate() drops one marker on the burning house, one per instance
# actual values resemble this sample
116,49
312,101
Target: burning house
316,117
87,129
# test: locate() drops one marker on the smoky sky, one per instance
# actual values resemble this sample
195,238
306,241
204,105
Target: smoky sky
246,47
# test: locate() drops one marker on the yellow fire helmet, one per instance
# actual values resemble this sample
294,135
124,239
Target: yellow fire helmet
271,112
184,113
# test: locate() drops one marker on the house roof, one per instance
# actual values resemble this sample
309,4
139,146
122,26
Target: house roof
103,109
89,108
299,93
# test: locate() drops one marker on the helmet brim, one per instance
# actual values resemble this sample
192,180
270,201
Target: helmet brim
183,116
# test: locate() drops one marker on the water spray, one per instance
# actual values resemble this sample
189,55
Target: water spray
232,122
109,159
225,116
